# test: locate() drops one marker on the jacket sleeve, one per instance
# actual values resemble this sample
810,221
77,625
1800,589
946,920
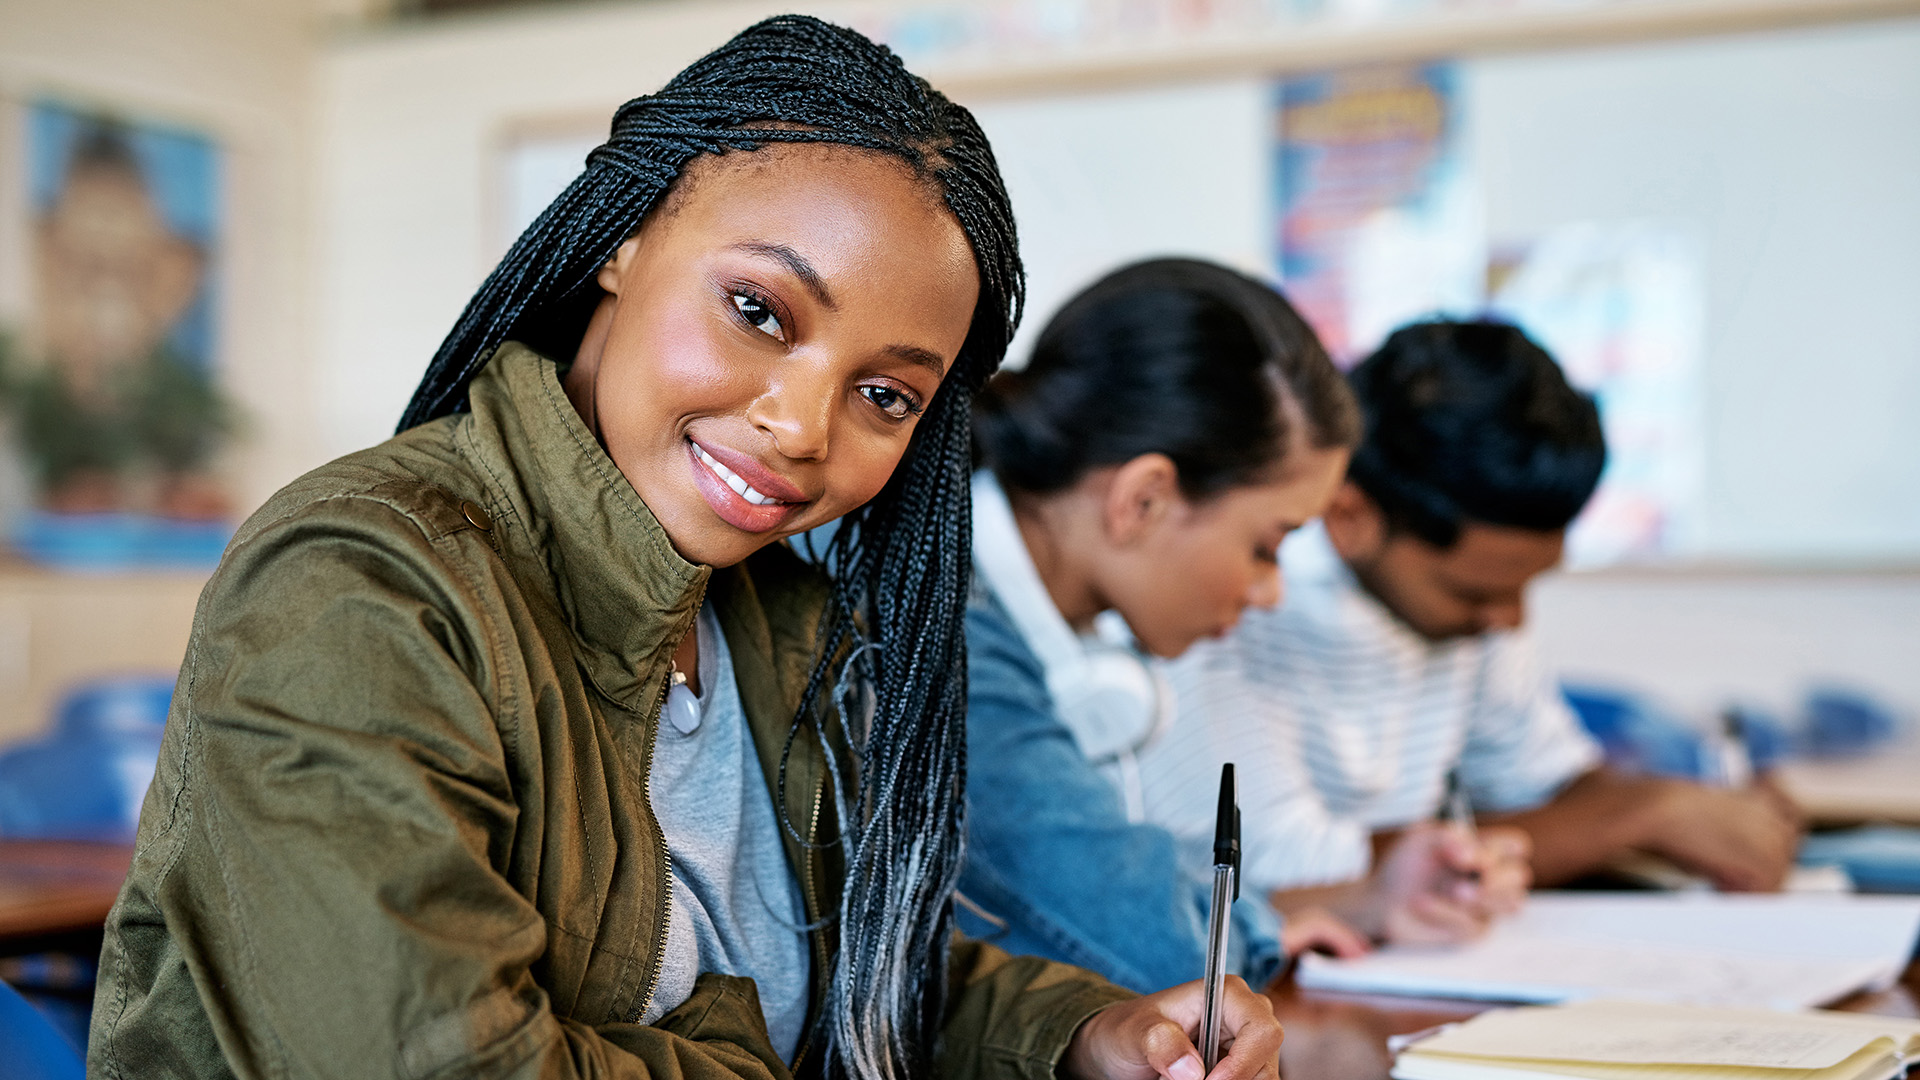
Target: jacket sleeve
316,886
1051,851
1013,1016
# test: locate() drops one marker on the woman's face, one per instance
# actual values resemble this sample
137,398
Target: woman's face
769,340
1194,568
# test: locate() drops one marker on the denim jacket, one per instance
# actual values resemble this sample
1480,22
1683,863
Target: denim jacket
1051,853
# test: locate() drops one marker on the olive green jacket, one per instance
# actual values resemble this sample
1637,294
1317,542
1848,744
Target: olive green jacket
400,825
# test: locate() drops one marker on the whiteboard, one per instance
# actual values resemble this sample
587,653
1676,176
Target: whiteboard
1794,155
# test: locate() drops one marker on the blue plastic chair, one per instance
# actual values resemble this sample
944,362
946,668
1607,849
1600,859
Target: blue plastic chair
1636,734
86,778
1841,721
31,1048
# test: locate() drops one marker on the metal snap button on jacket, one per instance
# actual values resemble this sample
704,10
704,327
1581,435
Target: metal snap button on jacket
476,517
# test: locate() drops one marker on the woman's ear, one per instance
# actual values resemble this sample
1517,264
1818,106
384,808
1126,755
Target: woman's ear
1141,494
614,273
1355,524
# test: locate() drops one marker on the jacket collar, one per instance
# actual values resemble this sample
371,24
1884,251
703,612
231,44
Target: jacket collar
560,502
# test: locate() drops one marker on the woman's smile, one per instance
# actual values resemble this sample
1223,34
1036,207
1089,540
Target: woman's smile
744,494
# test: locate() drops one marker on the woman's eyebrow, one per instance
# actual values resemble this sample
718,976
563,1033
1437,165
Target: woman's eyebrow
796,264
926,358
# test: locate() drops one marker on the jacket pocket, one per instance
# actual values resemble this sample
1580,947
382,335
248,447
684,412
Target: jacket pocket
726,1008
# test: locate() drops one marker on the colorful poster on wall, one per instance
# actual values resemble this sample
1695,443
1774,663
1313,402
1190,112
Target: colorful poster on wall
1623,308
110,391
1379,219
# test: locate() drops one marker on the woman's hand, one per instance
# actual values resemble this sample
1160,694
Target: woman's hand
1320,930
1154,1036
1442,885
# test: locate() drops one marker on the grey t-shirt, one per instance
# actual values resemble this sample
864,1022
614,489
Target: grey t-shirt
735,907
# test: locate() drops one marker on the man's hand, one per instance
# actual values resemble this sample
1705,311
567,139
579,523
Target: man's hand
1154,1036
1743,839
1440,885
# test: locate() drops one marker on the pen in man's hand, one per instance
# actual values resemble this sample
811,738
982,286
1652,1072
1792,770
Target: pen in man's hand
1458,812
1226,889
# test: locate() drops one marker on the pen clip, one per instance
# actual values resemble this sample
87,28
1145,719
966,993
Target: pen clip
1236,851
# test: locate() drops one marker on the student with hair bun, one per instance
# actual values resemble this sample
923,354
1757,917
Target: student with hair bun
521,745
1176,421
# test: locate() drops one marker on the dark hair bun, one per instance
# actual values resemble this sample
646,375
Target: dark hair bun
1172,356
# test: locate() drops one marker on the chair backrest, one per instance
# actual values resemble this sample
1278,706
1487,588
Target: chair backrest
30,1046
86,778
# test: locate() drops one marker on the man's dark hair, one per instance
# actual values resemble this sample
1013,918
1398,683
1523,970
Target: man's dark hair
1171,356
1473,422
900,563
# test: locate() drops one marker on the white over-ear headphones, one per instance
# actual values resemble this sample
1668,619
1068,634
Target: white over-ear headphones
1111,699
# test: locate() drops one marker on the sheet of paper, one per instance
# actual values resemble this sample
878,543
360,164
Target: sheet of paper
1665,1035
1869,1064
1780,951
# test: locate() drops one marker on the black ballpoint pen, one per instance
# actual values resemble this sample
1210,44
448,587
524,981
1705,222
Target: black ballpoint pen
1226,889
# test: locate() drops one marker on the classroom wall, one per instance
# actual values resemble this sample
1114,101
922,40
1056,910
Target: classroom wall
1700,641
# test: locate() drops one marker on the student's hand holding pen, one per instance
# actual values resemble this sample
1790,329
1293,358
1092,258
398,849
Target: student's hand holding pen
1154,1036
1440,883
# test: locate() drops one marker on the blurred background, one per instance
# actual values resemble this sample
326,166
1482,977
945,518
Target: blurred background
233,231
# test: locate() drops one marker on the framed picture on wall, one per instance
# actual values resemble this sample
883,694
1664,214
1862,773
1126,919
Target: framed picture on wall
110,386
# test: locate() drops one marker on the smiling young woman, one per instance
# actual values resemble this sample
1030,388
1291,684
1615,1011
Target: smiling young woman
765,351
514,746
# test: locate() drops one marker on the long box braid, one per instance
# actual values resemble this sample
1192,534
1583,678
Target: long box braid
901,562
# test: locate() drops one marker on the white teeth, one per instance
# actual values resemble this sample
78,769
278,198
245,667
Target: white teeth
740,487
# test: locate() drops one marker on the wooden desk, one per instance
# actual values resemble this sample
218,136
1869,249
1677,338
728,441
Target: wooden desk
1344,1036
1879,786
55,894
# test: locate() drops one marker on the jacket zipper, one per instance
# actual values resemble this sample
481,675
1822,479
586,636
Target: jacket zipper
666,857
653,819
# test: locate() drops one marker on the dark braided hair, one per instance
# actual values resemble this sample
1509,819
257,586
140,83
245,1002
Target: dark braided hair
900,563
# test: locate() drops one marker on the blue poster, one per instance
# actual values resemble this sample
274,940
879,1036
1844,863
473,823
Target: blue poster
111,392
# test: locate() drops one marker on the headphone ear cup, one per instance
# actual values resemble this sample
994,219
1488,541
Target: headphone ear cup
1108,702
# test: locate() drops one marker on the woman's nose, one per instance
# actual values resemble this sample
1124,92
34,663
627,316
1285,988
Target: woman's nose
797,411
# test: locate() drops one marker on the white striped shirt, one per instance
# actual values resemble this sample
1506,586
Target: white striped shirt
1342,720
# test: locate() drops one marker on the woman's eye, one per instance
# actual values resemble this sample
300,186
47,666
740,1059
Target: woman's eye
759,315
891,401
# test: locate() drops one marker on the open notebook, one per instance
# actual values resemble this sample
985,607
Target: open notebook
1780,951
1610,1040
